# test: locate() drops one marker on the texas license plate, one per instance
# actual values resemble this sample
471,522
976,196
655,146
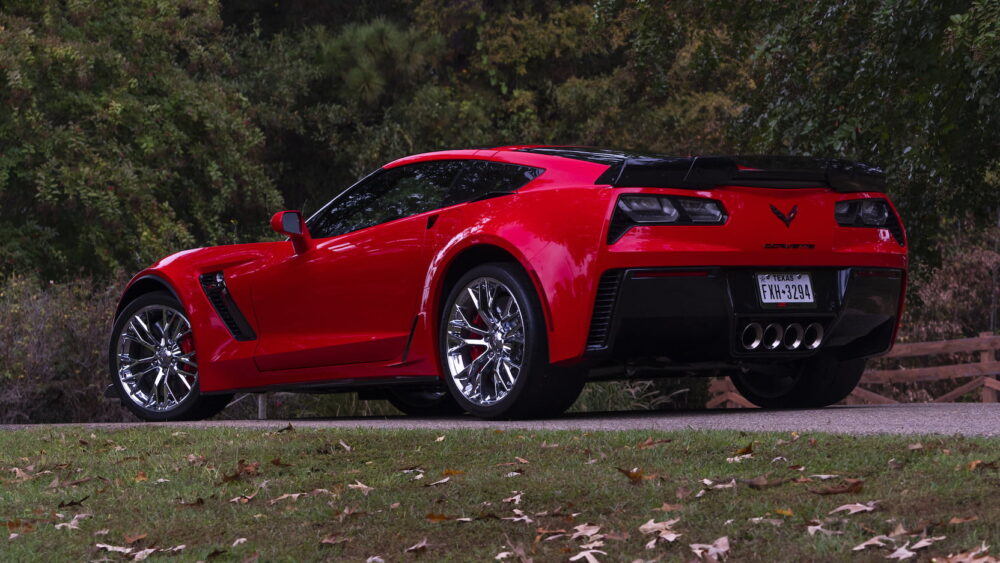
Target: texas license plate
785,287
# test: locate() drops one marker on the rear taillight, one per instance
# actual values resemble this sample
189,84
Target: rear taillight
871,213
648,209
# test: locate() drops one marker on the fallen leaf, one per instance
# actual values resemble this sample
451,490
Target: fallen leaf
650,443
585,531
855,508
823,477
815,527
662,531
522,460
503,555
515,473
344,445
67,504
893,464
899,530
901,553
914,447
422,545
449,472
711,552
762,482
440,482
588,556
783,511
73,524
975,555
439,439
141,476
132,539
278,463
738,458
635,475
748,449
926,542
957,520
244,499
358,485
519,516
877,541
288,428
516,499
243,469
334,539
374,559
114,548
848,486
196,459
667,507
239,541
437,518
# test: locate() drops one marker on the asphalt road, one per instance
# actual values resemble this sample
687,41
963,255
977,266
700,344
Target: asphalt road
969,419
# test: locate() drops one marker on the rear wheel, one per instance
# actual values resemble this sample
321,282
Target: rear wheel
494,350
153,362
819,381
424,402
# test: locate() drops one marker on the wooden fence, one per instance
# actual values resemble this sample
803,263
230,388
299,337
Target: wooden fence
969,376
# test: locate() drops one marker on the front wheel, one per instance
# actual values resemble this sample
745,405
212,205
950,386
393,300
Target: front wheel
817,382
494,350
153,363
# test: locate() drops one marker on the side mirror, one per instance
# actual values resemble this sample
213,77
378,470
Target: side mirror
290,224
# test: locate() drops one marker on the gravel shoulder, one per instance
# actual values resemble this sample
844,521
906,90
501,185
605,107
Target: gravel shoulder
967,419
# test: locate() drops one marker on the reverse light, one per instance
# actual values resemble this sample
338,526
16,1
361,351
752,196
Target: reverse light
650,209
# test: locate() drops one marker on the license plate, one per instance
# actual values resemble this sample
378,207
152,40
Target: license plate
785,288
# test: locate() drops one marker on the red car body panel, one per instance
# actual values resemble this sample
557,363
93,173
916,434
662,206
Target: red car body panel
366,304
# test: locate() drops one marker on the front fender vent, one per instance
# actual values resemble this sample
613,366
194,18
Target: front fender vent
604,306
214,285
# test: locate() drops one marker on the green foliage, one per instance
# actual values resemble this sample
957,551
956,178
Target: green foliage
120,140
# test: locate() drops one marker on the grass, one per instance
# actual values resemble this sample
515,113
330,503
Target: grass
160,488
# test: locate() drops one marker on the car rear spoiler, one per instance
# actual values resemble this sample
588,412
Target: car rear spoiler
706,172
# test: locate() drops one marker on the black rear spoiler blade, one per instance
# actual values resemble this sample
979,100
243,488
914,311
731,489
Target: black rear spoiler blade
707,172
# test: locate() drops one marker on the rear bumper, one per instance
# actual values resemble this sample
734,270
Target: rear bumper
693,315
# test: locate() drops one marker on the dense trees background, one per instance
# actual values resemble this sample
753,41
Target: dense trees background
130,129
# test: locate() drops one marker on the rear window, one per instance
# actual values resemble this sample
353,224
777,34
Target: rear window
482,178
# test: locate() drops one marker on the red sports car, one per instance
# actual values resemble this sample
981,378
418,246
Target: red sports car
492,281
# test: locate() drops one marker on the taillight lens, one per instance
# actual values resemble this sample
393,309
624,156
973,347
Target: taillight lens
874,213
650,209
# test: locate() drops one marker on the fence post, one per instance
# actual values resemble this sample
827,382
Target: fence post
986,394
261,406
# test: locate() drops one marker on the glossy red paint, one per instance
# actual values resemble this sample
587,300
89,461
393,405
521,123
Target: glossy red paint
366,304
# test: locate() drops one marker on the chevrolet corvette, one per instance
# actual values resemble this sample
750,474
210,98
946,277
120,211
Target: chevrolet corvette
495,281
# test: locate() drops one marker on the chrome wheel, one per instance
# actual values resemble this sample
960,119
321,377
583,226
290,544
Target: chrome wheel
156,359
485,341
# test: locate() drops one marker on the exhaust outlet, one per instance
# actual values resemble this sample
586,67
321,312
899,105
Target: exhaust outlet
813,336
772,336
752,336
792,338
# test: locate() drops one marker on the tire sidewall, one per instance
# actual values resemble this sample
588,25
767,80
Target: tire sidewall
188,405
534,361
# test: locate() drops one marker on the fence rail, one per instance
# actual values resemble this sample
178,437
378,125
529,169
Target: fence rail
981,374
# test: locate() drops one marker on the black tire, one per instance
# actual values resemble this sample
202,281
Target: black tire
820,381
194,405
424,402
539,389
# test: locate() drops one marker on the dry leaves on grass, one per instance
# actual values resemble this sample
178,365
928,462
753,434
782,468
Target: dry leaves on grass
716,551
73,524
855,508
975,555
334,539
589,556
877,541
847,486
243,470
138,554
359,486
661,530
422,545
816,527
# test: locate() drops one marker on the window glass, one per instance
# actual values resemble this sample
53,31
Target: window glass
386,196
482,178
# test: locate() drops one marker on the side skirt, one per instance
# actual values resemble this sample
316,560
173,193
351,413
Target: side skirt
339,385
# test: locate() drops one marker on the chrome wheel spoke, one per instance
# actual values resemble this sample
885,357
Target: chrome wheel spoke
483,355
151,358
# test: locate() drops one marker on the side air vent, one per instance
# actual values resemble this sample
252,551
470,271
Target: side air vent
604,306
214,285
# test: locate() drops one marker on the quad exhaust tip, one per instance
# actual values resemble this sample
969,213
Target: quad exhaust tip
791,337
